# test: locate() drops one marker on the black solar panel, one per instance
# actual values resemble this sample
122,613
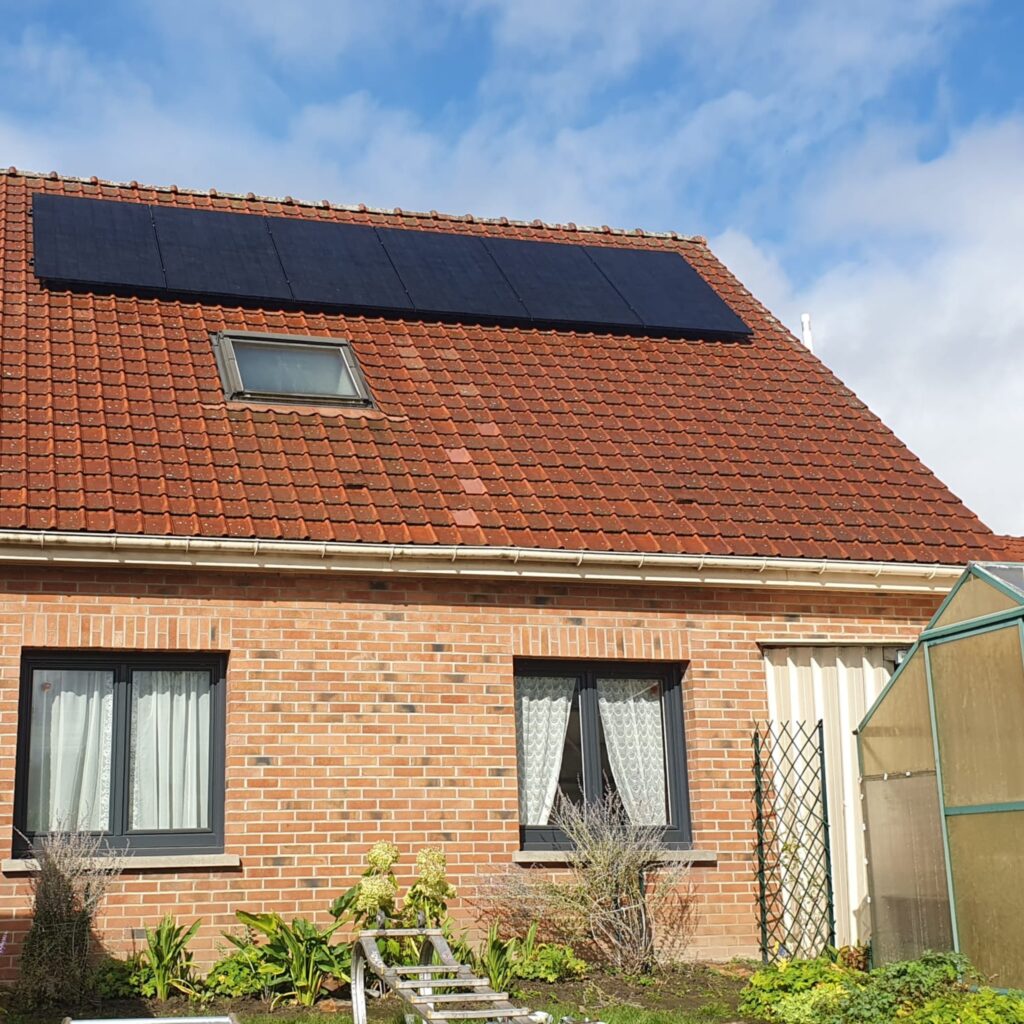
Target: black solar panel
278,260
337,264
446,273
558,283
94,241
219,253
665,291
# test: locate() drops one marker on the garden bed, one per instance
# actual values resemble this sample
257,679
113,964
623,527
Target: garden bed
692,994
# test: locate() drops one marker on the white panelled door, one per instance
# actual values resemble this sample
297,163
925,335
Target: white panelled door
835,685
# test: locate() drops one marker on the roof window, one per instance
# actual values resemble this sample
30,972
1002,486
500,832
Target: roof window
287,368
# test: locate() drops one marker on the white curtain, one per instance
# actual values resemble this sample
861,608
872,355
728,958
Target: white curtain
631,719
542,716
69,751
170,750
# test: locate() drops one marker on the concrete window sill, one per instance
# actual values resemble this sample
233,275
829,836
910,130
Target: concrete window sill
562,857
134,864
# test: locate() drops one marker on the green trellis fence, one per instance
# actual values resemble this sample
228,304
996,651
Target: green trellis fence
796,914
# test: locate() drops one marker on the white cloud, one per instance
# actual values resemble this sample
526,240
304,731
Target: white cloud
925,322
923,315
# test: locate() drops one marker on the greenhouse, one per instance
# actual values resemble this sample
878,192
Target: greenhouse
942,779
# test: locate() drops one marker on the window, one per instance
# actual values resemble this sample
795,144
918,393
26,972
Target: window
128,745
587,728
282,367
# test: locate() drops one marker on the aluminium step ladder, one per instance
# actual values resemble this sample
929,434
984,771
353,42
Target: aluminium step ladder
439,989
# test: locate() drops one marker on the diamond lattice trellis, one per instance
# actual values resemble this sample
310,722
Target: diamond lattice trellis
794,865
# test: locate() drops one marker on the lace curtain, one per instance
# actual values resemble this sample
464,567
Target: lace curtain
69,750
631,719
542,716
170,750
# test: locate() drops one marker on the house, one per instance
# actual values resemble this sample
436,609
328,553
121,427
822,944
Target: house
322,525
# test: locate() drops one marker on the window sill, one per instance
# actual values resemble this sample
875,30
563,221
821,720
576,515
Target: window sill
562,857
131,865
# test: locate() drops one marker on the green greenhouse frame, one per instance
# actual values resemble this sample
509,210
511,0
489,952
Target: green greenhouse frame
942,783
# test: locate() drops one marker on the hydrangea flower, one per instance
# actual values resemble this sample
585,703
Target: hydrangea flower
375,893
432,864
382,856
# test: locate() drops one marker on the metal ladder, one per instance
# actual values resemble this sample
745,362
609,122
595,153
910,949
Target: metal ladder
439,992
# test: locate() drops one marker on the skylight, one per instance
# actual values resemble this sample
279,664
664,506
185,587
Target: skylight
287,368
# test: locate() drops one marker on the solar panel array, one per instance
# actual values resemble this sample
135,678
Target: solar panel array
103,243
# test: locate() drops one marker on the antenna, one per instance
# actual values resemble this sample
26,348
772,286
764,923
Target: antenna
805,325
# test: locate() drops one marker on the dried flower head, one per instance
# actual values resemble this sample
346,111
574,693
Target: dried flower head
382,856
376,892
432,883
431,864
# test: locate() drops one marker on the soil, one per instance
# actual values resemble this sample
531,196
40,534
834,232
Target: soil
685,988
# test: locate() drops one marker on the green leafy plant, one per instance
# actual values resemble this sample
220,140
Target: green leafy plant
981,1007
427,898
243,972
299,956
168,958
769,985
374,899
496,958
112,978
934,989
551,962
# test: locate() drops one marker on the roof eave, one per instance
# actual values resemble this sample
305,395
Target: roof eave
203,553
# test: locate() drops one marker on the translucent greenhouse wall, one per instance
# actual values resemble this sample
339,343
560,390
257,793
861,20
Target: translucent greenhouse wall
945,840
973,599
978,684
906,862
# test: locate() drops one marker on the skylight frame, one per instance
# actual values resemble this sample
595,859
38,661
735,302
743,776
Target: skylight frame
234,384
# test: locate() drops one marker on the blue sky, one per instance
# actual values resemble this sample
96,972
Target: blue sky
858,160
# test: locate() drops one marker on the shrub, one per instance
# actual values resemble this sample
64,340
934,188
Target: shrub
243,972
981,1007
168,959
764,994
504,961
929,990
619,892
112,978
299,957
495,959
550,961
75,872
374,899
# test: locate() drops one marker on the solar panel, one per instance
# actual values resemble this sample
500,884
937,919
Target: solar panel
558,283
337,264
445,273
219,253
665,291
95,241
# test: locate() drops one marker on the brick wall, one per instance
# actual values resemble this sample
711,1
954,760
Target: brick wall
361,709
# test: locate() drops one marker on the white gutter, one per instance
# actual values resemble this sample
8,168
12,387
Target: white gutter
95,549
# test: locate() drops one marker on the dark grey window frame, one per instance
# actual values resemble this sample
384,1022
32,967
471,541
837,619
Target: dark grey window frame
234,386
679,833
123,664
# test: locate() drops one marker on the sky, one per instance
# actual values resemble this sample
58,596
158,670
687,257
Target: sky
858,161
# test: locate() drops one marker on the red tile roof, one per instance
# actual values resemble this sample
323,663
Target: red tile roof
1010,549
114,419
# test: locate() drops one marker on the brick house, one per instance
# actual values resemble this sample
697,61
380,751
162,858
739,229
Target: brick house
283,576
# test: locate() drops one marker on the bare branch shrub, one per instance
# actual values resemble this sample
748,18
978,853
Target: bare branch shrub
75,872
622,905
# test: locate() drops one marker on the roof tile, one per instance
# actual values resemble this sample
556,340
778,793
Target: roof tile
112,418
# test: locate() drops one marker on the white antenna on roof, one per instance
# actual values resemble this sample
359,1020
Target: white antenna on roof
805,325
